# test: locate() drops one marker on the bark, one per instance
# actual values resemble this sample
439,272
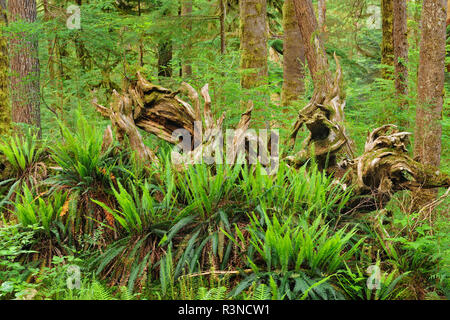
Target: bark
387,45
314,51
401,50
186,10
324,115
223,15
253,33
50,44
448,12
5,111
431,82
293,57
430,89
24,66
322,10
165,58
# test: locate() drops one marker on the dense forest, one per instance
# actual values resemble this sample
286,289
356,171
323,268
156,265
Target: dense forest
224,149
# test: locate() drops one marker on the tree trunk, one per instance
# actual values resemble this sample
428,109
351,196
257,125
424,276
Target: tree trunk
293,57
24,66
315,53
322,8
387,45
5,111
223,15
165,59
427,148
186,10
50,44
401,50
253,32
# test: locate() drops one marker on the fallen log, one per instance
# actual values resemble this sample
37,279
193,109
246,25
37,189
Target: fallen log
160,111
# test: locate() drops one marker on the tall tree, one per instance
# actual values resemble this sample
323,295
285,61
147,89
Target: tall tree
322,14
24,63
427,146
5,111
186,10
223,15
387,45
401,49
293,56
253,33
312,43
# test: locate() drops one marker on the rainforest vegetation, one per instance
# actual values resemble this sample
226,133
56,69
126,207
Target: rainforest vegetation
114,184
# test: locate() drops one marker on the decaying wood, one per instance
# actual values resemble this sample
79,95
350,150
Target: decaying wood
324,118
160,111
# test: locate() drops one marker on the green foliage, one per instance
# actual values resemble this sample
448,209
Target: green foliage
138,209
212,294
289,244
15,241
23,152
31,209
354,283
82,164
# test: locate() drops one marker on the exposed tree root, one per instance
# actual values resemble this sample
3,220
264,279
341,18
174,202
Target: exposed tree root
383,169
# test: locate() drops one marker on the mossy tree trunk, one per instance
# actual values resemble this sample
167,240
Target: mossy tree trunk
5,111
401,51
165,58
293,57
387,44
430,89
253,34
186,11
223,15
24,66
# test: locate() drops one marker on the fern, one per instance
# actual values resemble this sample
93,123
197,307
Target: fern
212,294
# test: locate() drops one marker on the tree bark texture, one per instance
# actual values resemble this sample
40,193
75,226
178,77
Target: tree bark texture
431,82
293,57
253,34
5,110
186,10
401,49
322,14
387,45
315,53
24,66
223,15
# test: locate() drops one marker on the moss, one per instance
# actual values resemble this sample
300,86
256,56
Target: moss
5,111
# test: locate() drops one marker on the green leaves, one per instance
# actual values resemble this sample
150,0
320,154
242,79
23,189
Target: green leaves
82,163
287,245
22,152
33,210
